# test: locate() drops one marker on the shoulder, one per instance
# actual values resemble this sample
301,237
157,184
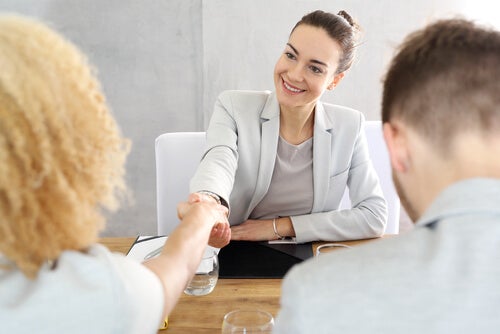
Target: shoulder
345,266
244,97
245,105
118,264
88,284
336,111
342,118
108,267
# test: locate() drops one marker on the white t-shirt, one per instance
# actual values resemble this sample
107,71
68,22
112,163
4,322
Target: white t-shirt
93,292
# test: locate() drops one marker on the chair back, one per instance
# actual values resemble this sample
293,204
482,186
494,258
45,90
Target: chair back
177,157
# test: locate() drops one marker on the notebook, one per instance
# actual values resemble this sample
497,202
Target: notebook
250,259
145,245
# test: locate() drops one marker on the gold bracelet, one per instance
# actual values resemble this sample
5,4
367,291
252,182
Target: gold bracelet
165,324
276,230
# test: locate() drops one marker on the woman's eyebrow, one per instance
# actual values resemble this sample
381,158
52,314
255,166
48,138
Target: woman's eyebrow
294,49
312,60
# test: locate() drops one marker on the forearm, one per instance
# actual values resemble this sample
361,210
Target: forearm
179,259
263,229
216,173
284,227
351,224
218,165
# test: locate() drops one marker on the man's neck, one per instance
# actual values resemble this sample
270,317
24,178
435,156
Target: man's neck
470,156
475,156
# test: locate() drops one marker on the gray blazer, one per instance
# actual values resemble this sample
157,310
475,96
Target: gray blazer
242,141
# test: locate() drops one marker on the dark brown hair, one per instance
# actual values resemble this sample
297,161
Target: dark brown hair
341,27
445,80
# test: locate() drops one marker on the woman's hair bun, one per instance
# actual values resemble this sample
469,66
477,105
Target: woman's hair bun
349,19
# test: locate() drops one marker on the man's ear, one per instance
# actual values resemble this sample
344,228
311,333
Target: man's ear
336,80
396,140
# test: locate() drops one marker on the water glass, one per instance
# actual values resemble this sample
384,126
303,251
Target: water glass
205,278
247,321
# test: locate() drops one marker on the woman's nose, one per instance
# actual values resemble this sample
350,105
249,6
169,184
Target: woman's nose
295,73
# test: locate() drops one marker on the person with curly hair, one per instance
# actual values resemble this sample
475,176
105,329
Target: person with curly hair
62,166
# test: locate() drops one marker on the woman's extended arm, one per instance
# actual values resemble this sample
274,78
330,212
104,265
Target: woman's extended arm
184,247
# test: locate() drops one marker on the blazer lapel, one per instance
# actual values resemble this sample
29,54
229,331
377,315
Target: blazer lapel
321,157
268,149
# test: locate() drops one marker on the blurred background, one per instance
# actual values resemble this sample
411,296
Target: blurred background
162,63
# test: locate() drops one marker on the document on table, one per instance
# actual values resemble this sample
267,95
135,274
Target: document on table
146,245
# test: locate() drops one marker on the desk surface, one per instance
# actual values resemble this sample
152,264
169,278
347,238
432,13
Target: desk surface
203,314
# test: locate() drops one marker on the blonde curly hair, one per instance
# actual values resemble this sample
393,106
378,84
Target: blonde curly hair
61,152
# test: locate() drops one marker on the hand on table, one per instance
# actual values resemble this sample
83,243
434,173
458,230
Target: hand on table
253,230
261,230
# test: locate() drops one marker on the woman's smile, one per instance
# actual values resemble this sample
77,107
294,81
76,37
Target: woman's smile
290,88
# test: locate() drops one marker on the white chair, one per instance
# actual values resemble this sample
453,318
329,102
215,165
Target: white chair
178,155
380,158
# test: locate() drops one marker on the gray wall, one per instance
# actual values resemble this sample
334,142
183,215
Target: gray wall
163,63
149,59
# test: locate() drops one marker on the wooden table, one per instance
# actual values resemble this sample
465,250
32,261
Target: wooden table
203,314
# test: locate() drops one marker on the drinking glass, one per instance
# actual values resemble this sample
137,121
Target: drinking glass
247,321
205,278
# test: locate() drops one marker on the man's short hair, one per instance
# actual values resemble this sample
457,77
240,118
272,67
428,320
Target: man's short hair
444,80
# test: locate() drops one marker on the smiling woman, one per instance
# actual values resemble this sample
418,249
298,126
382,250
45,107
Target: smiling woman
282,160
305,70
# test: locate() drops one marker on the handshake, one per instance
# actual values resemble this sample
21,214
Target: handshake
206,209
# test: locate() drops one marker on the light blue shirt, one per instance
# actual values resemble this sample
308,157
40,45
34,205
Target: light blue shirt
441,277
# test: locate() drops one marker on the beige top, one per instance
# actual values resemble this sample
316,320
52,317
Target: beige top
291,190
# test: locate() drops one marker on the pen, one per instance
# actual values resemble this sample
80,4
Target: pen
153,253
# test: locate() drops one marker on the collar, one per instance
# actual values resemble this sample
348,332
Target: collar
475,195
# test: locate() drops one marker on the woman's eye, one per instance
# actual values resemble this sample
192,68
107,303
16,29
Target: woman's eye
315,69
289,55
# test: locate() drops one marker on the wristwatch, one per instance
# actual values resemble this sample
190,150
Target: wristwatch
211,194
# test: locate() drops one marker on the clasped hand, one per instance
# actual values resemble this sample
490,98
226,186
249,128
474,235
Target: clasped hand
221,231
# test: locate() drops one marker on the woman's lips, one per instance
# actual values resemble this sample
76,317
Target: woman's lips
290,88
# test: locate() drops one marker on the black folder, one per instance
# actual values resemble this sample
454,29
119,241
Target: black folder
252,259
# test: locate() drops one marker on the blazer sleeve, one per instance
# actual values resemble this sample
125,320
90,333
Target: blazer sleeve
217,168
368,216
